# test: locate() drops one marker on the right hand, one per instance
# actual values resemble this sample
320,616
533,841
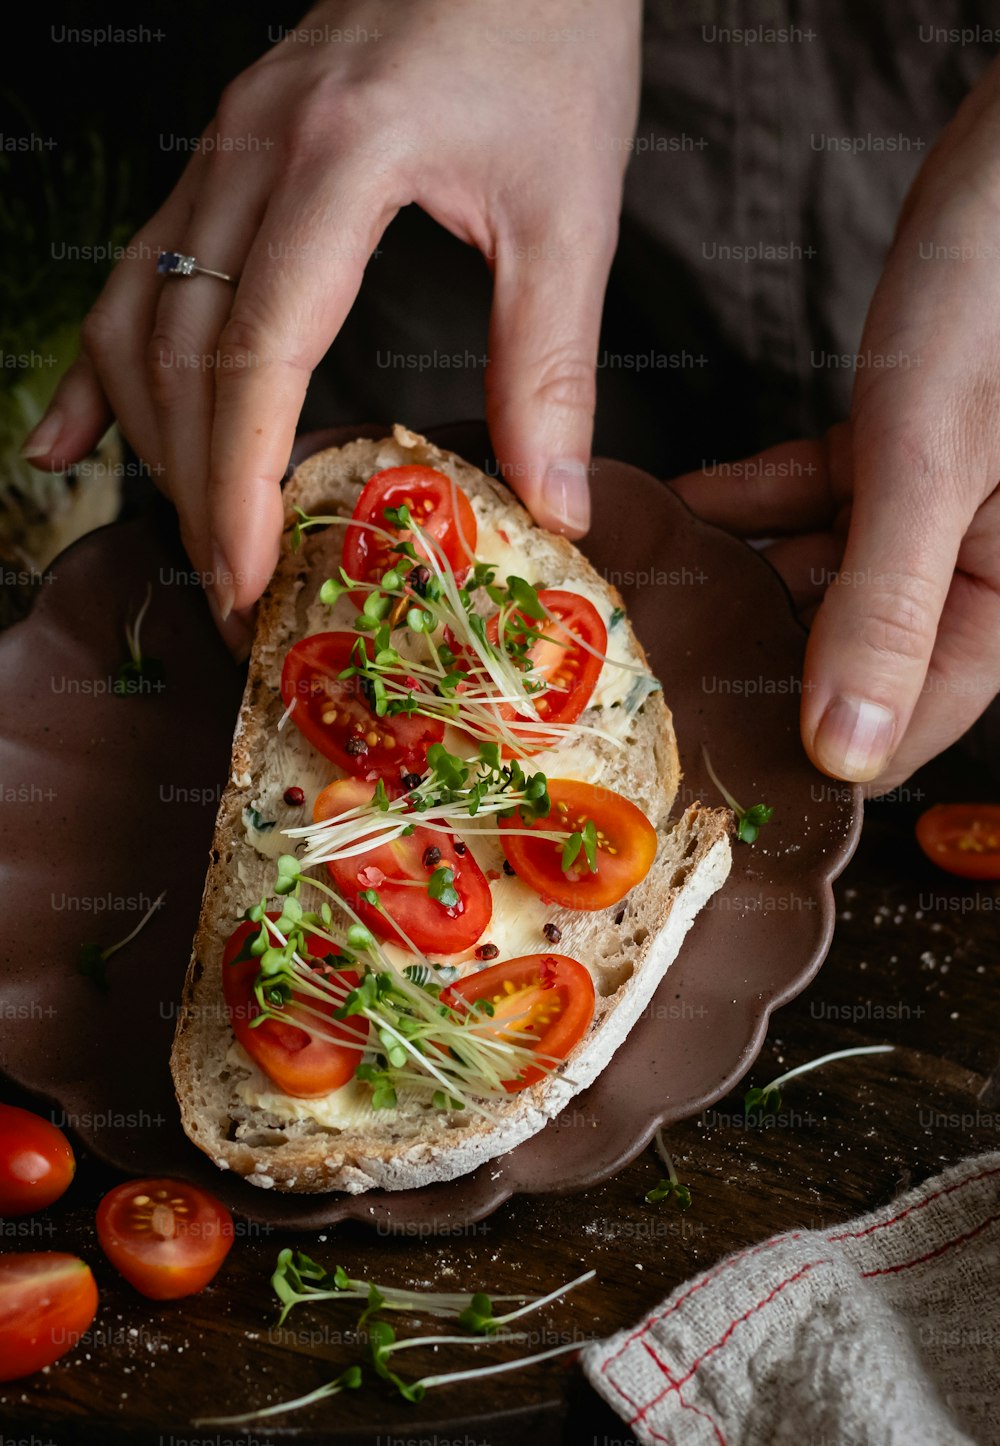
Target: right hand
507,124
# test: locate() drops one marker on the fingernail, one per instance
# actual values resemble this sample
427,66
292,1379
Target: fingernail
854,738
42,440
567,495
222,584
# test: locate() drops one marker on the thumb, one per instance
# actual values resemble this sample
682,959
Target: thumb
540,383
872,640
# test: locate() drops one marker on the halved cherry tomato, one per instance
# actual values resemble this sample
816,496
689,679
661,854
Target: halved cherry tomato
47,1301
166,1237
36,1162
393,870
548,997
557,656
438,506
626,846
335,716
298,1063
963,838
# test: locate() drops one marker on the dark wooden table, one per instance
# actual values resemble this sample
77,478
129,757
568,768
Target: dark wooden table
913,963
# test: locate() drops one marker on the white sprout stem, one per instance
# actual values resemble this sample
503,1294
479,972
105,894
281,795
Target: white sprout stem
544,1300
113,949
132,631
604,657
447,579
449,1341
665,1156
826,1058
332,1388
739,812
429,1381
287,714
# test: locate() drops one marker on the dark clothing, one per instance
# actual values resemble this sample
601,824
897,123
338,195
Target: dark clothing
775,144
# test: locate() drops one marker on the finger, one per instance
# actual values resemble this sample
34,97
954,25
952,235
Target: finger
964,673
74,422
871,643
182,358
807,565
786,488
545,324
290,304
116,330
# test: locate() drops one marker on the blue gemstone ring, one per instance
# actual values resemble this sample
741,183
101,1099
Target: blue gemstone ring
172,263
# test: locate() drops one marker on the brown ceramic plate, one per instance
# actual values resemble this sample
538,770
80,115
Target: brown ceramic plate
109,800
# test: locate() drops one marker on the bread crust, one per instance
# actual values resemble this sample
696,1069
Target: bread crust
630,946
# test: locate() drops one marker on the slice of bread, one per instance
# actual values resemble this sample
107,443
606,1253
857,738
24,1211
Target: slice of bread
228,1107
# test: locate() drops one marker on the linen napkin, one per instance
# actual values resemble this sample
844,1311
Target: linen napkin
882,1332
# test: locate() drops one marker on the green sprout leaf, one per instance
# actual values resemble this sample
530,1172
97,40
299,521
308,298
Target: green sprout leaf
525,598
762,1102
749,821
671,1188
441,886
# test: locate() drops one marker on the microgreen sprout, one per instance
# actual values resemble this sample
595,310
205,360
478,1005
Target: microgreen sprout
382,1342
767,1100
347,1380
137,669
585,839
451,1057
749,821
671,1188
93,960
298,1280
467,686
453,788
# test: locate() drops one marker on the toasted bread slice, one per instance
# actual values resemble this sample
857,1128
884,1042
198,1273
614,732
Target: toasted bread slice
228,1107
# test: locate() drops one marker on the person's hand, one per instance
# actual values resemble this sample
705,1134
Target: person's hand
904,651
507,123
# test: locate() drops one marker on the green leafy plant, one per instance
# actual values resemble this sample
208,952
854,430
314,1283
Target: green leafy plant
671,1188
93,959
767,1099
299,1280
139,672
749,821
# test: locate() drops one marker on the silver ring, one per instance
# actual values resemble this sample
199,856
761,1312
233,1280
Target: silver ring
172,263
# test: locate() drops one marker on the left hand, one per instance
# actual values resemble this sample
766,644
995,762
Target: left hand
900,512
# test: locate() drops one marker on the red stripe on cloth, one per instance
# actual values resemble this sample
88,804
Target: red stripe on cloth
940,1250
692,1289
802,1271
918,1205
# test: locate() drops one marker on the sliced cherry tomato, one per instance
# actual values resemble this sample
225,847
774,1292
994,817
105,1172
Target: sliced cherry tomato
166,1237
963,838
36,1162
570,669
437,505
548,997
47,1301
392,869
625,846
335,716
298,1063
